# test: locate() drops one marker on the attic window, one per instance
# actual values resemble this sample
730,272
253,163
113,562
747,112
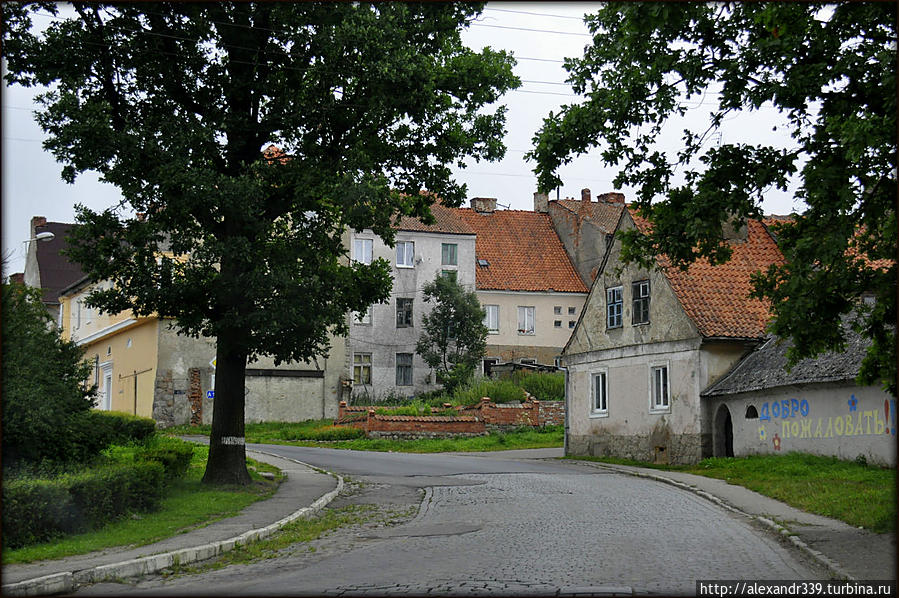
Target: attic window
483,263
752,412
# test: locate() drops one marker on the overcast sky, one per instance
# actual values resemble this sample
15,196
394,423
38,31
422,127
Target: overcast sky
539,34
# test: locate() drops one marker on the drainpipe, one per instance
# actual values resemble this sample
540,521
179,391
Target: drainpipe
567,411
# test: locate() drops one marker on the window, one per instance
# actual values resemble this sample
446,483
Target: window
405,254
571,323
449,254
600,394
527,361
362,250
658,388
641,302
613,307
362,368
362,317
404,369
77,314
557,323
491,320
557,310
525,320
403,313
571,311
752,412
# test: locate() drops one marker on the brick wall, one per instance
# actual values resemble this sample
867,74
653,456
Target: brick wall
474,420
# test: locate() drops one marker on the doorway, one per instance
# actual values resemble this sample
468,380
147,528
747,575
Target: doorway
724,433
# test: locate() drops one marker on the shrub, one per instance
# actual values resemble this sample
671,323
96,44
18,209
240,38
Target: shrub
500,390
175,456
122,428
42,380
543,386
35,510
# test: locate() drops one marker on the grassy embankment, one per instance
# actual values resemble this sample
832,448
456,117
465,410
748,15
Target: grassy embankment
188,504
859,494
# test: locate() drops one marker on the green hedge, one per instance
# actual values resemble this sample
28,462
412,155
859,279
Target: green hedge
175,457
36,510
121,428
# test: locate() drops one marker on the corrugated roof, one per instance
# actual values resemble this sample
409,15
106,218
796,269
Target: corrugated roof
523,253
766,367
604,215
717,298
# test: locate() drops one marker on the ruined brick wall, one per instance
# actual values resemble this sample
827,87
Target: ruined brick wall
552,413
407,424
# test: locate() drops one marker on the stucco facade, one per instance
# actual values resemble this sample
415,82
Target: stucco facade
555,315
174,374
636,372
383,334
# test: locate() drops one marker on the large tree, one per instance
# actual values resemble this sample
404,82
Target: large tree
174,103
453,338
831,71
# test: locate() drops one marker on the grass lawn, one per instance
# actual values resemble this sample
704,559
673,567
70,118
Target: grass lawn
860,495
188,504
293,434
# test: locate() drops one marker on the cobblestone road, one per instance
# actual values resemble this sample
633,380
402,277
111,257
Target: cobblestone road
522,533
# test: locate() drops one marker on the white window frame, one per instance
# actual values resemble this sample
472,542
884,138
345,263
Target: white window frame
640,284
405,254
600,377
524,320
491,318
609,304
362,250
360,365
361,318
454,254
654,394
105,397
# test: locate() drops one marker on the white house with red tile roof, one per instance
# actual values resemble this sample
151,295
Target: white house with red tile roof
649,342
525,281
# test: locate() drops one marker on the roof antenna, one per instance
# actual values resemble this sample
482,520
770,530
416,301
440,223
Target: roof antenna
557,193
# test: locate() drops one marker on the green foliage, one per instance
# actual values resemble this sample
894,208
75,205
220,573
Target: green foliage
499,390
173,103
543,386
36,510
175,456
831,72
454,337
414,407
45,404
325,433
121,428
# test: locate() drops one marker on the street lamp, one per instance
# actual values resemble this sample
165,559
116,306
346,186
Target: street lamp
44,236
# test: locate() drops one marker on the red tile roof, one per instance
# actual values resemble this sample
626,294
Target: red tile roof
604,215
446,220
716,298
523,253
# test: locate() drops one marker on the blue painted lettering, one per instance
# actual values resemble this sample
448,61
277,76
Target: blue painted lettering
764,414
803,407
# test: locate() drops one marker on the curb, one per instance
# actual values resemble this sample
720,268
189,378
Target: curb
65,581
835,568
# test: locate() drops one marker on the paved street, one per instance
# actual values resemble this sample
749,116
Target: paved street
499,526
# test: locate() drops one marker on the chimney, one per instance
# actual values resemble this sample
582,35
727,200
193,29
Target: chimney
37,221
483,205
734,232
611,198
586,210
541,203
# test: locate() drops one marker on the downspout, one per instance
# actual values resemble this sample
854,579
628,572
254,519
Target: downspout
567,411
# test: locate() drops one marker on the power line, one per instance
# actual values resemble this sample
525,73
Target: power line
539,14
534,30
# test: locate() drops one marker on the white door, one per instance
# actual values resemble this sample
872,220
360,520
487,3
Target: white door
106,391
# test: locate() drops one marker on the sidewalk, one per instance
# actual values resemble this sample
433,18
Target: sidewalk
850,553
303,492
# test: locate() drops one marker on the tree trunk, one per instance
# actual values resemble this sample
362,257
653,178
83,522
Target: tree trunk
227,450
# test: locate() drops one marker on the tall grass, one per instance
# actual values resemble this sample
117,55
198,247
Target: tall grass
543,386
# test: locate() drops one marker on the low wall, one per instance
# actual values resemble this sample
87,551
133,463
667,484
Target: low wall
453,421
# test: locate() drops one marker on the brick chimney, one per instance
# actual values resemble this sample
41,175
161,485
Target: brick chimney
611,198
484,205
586,210
37,221
541,203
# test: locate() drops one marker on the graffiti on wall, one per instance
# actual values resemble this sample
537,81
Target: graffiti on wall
795,420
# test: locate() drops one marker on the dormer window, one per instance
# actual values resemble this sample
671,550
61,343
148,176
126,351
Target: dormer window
640,291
